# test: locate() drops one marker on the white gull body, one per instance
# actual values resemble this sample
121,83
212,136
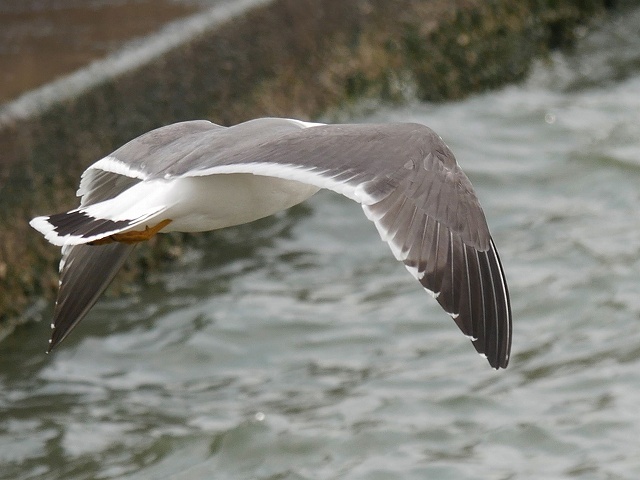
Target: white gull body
198,176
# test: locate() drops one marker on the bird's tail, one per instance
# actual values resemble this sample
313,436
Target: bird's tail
81,226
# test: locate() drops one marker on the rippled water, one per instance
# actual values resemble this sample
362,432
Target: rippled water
298,348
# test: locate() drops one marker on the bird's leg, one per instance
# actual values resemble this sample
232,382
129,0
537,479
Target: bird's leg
133,236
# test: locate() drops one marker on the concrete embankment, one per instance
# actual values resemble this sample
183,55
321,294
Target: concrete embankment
295,58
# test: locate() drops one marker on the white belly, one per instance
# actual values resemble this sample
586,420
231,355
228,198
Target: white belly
218,201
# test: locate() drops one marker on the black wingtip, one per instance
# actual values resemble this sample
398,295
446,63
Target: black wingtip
55,340
86,273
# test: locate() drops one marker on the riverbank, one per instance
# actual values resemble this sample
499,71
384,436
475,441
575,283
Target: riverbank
296,58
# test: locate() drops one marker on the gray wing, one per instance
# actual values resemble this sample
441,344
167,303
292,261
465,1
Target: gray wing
409,185
86,271
436,227
364,162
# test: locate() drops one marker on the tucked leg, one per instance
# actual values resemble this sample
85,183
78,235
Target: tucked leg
133,236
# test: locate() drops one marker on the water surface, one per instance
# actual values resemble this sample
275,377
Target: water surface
298,348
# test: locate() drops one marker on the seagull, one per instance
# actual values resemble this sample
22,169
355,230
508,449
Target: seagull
197,176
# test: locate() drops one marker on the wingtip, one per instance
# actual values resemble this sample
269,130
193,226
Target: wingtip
497,359
50,346
57,337
499,362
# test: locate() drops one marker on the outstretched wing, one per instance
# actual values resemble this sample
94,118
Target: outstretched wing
409,185
438,231
85,272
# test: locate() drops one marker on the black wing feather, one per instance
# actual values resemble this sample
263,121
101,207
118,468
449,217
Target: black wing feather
86,272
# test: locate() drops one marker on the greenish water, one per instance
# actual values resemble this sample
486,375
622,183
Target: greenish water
298,348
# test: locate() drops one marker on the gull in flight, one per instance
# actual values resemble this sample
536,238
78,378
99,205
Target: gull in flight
197,176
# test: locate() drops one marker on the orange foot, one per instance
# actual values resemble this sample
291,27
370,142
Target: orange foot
133,236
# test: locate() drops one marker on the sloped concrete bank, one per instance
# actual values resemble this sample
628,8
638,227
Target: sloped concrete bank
296,58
